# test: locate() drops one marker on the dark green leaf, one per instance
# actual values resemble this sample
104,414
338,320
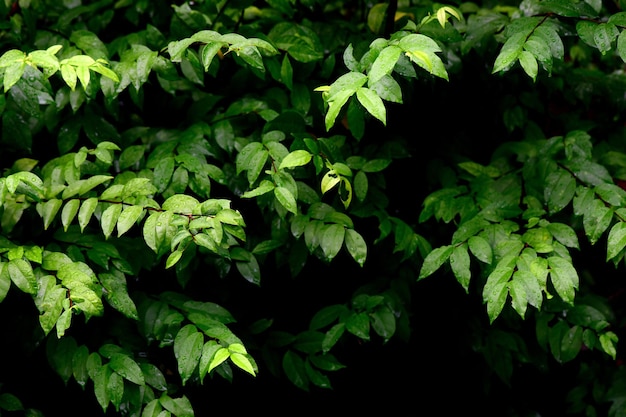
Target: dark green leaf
293,365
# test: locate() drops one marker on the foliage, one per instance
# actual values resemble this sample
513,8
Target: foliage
156,157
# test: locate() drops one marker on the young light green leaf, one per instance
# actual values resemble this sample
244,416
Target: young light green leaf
329,180
243,362
173,258
295,159
334,107
218,357
372,103
12,74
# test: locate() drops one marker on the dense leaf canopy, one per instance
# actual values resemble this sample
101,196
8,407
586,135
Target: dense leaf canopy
209,206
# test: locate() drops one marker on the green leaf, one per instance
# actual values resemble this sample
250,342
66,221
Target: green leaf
384,64
286,199
356,246
247,265
434,260
564,278
529,64
300,42
564,234
332,240
180,407
87,208
49,210
22,275
181,204
510,52
616,241
83,186
480,248
383,322
163,171
5,280
173,258
527,283
495,290
608,342
571,344
109,219
127,367
220,355
596,220
117,294
621,45
460,265
127,218
604,35
153,376
421,50
69,212
347,83
187,350
559,190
